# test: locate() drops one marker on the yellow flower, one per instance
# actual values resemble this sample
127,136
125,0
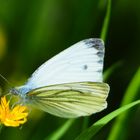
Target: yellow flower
12,117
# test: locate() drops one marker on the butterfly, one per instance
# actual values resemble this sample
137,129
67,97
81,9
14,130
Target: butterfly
70,84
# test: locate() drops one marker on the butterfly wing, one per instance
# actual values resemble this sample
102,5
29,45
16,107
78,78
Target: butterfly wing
81,62
70,100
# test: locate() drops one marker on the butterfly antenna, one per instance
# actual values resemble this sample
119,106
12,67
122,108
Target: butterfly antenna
10,85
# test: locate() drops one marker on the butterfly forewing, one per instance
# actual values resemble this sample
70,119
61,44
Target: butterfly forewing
70,100
81,62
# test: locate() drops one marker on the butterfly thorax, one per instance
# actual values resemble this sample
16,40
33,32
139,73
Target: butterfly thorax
21,91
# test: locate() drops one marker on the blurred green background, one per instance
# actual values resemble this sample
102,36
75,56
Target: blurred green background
33,31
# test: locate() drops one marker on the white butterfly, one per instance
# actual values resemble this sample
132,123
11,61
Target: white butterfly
70,84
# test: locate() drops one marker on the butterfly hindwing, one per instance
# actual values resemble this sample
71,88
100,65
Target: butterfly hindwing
70,100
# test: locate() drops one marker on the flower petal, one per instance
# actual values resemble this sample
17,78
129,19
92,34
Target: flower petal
12,117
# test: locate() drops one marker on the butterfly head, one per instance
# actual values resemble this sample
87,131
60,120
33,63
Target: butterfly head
14,91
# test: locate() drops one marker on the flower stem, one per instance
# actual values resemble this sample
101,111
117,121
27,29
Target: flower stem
1,126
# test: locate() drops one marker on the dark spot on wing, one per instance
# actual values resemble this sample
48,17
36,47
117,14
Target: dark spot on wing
85,67
100,53
100,70
94,42
100,61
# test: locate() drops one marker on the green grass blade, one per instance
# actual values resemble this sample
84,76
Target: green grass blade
61,131
106,21
85,123
130,95
107,74
91,131
132,89
103,36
